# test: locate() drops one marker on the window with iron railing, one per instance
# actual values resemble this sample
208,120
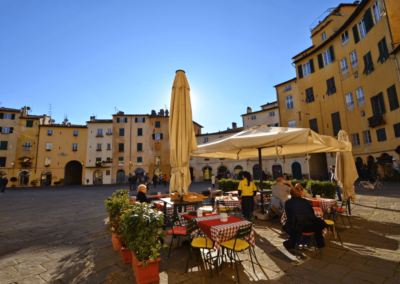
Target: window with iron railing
27,146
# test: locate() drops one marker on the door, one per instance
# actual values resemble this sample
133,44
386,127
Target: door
121,176
73,173
296,171
24,178
98,177
256,172
276,171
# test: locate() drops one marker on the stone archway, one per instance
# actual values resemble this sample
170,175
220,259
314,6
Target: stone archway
23,177
296,170
207,172
98,177
46,178
73,173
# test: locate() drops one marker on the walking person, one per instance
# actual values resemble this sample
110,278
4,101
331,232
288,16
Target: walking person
332,178
247,190
134,181
155,180
3,184
213,180
165,179
130,180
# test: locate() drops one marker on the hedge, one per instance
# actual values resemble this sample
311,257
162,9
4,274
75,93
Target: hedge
323,188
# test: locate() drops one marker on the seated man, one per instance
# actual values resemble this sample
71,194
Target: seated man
280,193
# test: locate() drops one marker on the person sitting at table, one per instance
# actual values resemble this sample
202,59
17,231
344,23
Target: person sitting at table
247,190
301,219
141,197
304,193
280,193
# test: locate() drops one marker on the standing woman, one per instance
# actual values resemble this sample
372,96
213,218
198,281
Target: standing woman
213,180
247,190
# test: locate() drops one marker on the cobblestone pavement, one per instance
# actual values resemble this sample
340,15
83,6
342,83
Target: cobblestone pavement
59,235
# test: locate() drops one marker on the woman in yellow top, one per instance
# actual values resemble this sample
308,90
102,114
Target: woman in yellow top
247,190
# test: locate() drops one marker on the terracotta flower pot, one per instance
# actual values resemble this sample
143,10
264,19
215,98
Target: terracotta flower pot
148,274
116,242
126,255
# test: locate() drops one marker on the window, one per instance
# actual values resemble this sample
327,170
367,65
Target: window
271,113
100,132
140,119
221,136
29,123
98,148
289,102
76,132
369,65
48,146
292,123
122,119
381,134
309,95
353,59
49,131
383,50
47,162
108,172
120,161
378,10
108,159
362,28
343,66
139,160
109,131
122,132
98,161
396,130
355,138
157,136
306,69
7,115
108,146
378,105
392,96
139,147
330,83
253,117
6,130
27,146
336,125
3,161
288,88
314,125
327,57
356,74
349,101
121,147
205,139
345,37
158,124
323,36
140,132
367,137
3,145
158,160
362,113
74,146
360,96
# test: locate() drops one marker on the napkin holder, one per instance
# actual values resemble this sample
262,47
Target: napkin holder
224,217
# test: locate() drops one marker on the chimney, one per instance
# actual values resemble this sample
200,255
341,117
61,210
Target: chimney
166,112
69,124
92,118
120,113
234,125
249,110
161,112
153,112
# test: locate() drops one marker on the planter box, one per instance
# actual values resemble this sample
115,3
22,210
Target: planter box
126,255
148,274
116,242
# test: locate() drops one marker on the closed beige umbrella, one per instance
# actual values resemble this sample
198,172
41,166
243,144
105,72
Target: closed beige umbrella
182,138
346,172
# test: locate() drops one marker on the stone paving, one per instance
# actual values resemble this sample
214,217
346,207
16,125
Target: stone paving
59,235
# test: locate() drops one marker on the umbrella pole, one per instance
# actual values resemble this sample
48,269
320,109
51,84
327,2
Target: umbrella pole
261,182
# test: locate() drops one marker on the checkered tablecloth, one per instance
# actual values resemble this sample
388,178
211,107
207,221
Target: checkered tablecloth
324,203
170,210
318,212
226,232
184,221
228,203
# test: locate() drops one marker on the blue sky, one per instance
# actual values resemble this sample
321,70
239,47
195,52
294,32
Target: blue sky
90,57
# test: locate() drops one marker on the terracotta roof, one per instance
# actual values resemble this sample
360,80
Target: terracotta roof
267,104
239,129
303,51
10,109
269,109
101,121
197,124
396,49
295,78
62,125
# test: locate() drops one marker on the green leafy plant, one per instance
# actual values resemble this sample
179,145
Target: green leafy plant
116,204
61,181
323,188
13,179
33,182
140,223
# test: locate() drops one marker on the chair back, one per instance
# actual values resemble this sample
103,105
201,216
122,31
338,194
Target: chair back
252,218
191,227
344,203
174,219
243,232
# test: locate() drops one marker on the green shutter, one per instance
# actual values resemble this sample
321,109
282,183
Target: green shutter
392,96
312,65
369,22
161,136
355,34
1,128
140,132
139,146
121,147
135,119
144,119
320,61
380,47
371,64
11,129
300,69
117,119
13,116
365,63
154,136
3,145
332,53
1,115
381,103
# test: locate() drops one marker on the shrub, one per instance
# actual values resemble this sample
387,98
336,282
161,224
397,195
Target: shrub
228,184
115,206
33,182
323,188
13,179
61,181
266,184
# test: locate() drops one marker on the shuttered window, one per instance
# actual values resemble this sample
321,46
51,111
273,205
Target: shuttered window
396,130
355,34
378,105
381,134
29,123
392,96
158,124
2,161
355,138
309,95
140,132
139,146
300,70
314,125
368,64
331,86
367,137
3,145
122,132
320,61
121,147
336,125
383,50
139,159
369,22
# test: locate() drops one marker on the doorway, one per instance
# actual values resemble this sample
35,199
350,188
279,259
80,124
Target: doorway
296,170
276,171
207,173
45,178
98,177
121,176
23,178
359,164
73,173
256,172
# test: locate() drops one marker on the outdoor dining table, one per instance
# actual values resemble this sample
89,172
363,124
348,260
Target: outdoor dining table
219,231
230,202
324,203
318,212
187,205
170,210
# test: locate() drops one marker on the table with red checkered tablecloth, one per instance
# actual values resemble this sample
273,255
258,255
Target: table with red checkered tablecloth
220,231
229,203
318,212
170,209
324,203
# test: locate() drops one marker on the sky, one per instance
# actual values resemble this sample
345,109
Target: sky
94,57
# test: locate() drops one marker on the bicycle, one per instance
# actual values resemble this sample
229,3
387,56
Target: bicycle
379,184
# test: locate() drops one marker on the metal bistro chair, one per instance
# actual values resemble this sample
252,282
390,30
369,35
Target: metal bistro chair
342,210
176,230
226,209
312,234
206,201
332,223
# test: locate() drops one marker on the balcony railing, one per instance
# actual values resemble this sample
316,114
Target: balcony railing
27,148
98,164
376,120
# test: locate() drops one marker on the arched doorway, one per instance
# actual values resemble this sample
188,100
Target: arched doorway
73,173
23,178
256,172
276,171
222,171
385,162
157,172
98,177
45,178
192,173
121,176
296,170
237,170
359,164
207,172
370,162
139,173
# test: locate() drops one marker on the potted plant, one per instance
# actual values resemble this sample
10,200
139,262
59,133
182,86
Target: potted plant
56,183
33,183
13,180
144,244
61,182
